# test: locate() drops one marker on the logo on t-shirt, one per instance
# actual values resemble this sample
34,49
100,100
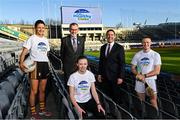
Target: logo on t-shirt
145,61
83,85
42,47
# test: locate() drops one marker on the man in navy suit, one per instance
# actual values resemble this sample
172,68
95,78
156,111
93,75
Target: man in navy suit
72,47
111,66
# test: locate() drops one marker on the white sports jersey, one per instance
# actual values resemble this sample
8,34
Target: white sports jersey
82,85
146,61
38,48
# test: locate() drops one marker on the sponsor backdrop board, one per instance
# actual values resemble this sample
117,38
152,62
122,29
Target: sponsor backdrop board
81,15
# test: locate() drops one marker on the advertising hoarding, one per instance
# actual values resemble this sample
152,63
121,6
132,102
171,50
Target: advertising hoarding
81,15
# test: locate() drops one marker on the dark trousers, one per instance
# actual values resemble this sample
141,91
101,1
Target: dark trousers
111,89
91,107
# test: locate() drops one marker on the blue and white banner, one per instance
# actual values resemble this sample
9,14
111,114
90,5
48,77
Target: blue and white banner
81,15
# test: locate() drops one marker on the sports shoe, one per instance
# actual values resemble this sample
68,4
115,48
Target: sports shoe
35,116
45,113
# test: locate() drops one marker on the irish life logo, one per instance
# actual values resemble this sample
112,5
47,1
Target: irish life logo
82,15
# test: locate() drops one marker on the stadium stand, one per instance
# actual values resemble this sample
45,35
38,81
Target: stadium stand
168,97
14,89
8,89
112,109
150,112
164,34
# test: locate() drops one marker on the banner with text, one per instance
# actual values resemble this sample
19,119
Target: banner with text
81,15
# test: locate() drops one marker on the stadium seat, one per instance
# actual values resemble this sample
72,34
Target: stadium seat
171,88
168,106
138,110
65,110
110,107
165,115
173,93
160,83
126,99
131,88
13,79
162,88
164,95
178,109
8,59
169,84
70,113
64,106
8,89
125,114
150,111
18,73
175,99
178,90
0,114
2,67
4,103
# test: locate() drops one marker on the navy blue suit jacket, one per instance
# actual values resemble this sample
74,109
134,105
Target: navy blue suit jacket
112,66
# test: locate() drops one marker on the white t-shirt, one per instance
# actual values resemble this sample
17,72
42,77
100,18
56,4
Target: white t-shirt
82,85
38,48
146,61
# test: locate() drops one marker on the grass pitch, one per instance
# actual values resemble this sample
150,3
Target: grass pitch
170,58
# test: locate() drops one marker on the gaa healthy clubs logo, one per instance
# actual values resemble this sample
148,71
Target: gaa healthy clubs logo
82,15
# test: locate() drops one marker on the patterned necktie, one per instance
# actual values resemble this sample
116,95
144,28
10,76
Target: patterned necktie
74,44
108,50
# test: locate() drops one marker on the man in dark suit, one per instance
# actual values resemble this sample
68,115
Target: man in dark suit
72,47
111,66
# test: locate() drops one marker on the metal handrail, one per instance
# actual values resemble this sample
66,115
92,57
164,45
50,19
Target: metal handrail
61,63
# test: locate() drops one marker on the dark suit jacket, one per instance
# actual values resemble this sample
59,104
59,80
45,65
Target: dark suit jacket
68,55
112,66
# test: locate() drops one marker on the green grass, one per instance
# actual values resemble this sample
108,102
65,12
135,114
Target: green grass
170,58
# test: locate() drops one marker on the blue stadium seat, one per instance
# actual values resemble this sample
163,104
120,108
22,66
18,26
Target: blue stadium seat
165,115
131,88
7,87
126,99
168,106
164,95
4,103
125,114
2,67
150,111
137,110
176,99
110,107
0,114
65,109
178,109
12,78
162,88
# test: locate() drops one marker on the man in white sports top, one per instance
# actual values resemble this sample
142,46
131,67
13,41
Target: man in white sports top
146,65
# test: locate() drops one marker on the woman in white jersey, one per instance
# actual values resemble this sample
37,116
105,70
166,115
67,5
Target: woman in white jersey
146,65
37,46
82,89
